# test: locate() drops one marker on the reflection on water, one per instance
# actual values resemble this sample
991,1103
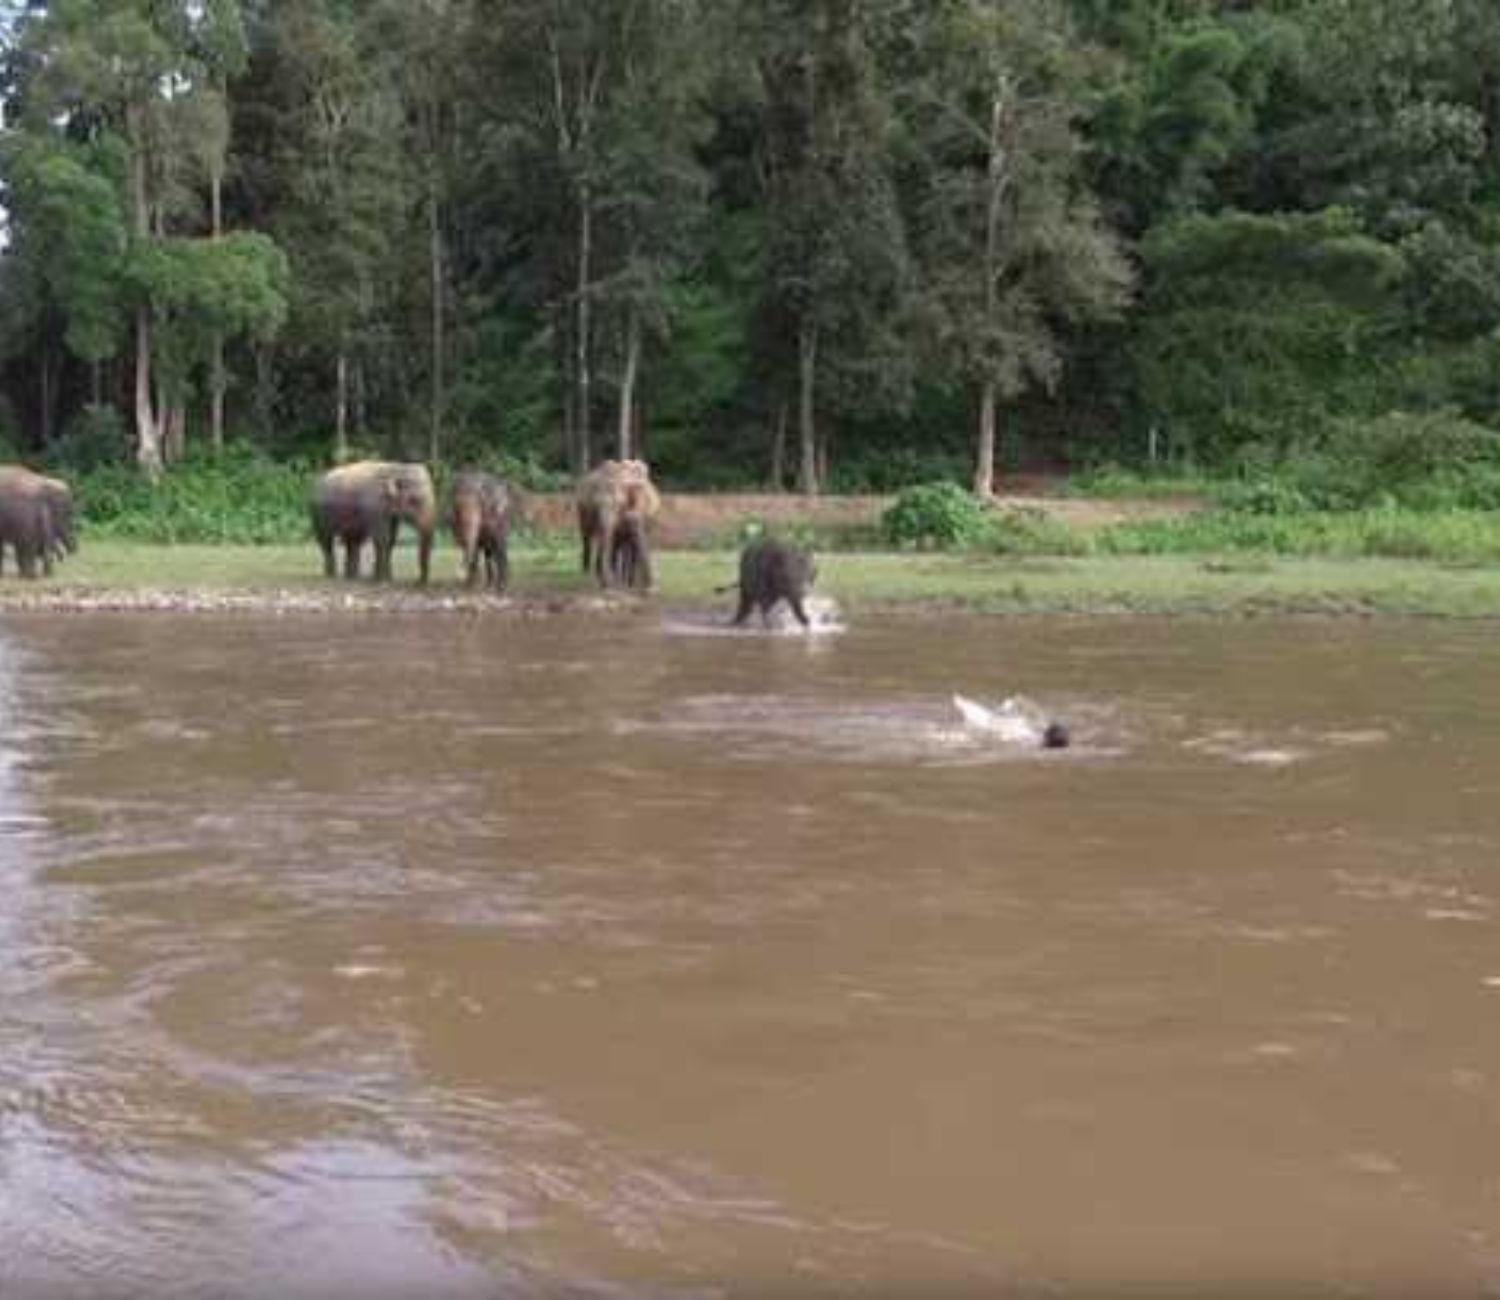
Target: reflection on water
361,956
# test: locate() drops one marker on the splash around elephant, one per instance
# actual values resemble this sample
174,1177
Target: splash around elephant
772,571
480,519
365,502
36,519
603,493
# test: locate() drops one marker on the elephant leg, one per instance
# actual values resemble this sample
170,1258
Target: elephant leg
743,612
352,546
643,569
325,544
795,602
586,536
424,555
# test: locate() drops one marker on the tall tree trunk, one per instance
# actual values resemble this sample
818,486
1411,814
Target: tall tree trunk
984,464
46,416
581,412
217,381
265,386
359,400
148,435
435,232
625,439
96,383
807,364
778,449
341,408
998,173
173,431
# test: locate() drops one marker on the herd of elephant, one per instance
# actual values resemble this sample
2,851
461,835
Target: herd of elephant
367,501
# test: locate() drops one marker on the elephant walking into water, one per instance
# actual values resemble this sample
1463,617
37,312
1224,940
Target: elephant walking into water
366,502
773,571
480,519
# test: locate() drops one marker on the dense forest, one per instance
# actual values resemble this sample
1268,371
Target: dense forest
820,244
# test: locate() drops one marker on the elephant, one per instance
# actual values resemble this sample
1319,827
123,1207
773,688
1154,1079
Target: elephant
629,555
60,502
366,501
770,571
27,520
602,494
480,519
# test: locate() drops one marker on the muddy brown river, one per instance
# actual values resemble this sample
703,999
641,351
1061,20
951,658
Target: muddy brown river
612,958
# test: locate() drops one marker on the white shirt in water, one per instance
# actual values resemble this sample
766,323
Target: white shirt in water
1010,722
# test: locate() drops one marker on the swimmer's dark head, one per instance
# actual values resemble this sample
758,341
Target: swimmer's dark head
1056,736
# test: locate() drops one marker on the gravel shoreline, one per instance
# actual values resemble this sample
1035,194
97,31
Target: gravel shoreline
82,600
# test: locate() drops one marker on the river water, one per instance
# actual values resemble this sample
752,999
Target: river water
595,957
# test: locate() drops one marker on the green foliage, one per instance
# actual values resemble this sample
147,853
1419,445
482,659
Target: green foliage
239,497
1459,536
93,438
900,212
935,516
1029,531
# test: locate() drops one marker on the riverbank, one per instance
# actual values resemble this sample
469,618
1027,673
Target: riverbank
132,576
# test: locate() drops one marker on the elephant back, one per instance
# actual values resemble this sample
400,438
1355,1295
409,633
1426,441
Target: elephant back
606,488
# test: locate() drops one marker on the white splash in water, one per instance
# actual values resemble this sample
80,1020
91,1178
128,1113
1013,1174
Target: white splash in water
1014,721
824,618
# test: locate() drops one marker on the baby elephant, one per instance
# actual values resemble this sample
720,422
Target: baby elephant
480,519
629,554
772,571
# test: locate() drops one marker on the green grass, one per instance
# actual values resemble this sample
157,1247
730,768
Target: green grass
1096,583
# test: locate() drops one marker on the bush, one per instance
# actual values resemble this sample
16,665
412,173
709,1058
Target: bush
1265,496
94,437
1029,531
935,515
236,497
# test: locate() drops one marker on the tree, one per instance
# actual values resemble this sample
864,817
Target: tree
837,261
330,184
1013,245
1258,329
66,261
138,77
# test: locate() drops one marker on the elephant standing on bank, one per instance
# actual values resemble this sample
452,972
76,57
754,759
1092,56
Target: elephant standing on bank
36,519
604,493
480,519
366,501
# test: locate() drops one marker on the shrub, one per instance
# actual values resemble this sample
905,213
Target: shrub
935,515
94,437
1028,531
1266,496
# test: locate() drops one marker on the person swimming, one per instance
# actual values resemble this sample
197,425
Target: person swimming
1016,721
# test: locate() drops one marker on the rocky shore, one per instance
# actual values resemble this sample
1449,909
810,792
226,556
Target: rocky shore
16,599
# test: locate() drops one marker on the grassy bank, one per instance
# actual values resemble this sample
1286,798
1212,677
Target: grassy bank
859,581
